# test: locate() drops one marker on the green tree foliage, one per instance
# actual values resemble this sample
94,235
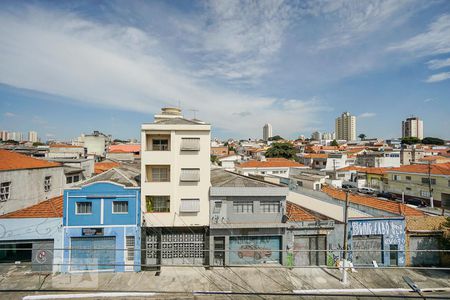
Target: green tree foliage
410,140
284,150
433,141
362,136
275,138
35,144
334,143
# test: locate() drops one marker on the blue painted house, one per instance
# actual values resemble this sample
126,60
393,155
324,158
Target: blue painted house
101,222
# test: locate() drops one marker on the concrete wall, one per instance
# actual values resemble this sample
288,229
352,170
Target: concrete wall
177,160
27,187
96,145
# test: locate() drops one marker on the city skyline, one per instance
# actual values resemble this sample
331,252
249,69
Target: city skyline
112,68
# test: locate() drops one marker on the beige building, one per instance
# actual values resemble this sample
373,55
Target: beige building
412,127
346,127
267,132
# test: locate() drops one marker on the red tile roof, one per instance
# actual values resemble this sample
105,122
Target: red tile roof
51,208
368,170
315,155
270,163
296,213
14,161
385,205
436,169
125,148
103,166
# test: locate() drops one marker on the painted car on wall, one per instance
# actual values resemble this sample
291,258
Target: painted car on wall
255,250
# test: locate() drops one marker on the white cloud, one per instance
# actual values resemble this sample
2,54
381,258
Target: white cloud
367,115
428,100
438,63
123,67
436,40
438,77
9,114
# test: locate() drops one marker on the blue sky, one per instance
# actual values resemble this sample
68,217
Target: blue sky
72,67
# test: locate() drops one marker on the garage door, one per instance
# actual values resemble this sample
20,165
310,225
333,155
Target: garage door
370,247
302,254
93,253
424,258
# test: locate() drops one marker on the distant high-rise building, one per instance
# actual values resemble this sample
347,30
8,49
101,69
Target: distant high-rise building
15,136
32,136
412,127
267,131
328,136
316,136
4,135
346,127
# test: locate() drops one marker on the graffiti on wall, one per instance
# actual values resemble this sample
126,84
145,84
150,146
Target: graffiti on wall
392,231
255,250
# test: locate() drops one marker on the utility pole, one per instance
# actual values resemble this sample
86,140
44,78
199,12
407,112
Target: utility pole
345,254
430,190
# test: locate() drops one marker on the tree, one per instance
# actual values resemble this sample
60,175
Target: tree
362,136
334,143
433,141
284,150
410,140
35,144
275,138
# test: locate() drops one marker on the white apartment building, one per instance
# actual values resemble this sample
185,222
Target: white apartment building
97,143
412,127
346,127
32,136
267,132
316,136
175,170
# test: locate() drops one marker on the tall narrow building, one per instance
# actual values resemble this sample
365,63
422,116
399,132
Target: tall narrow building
412,127
346,127
175,170
32,136
267,132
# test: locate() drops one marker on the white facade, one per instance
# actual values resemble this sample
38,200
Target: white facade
32,136
267,131
346,127
316,136
96,143
15,136
278,171
66,152
28,187
412,127
175,164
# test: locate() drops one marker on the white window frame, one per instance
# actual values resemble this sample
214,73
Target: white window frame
165,198
5,191
158,170
270,207
425,194
83,213
396,177
120,212
243,207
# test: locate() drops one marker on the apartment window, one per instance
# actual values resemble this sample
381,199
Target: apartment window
190,205
158,173
83,208
120,207
47,183
396,177
425,194
160,145
158,203
270,206
217,207
300,183
243,207
190,175
69,179
5,188
408,177
76,178
426,180
190,144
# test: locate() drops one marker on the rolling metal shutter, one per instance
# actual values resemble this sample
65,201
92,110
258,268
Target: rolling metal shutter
96,253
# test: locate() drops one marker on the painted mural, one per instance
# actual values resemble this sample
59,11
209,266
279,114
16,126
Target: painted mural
255,250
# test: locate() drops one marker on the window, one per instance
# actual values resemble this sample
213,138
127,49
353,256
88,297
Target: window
408,189
158,173
243,207
190,144
158,203
270,206
190,205
408,177
217,207
396,177
69,179
5,190
76,178
426,180
160,145
83,208
276,172
300,183
130,247
190,175
120,207
425,194
47,183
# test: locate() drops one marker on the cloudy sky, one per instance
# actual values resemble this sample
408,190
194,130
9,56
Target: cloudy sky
72,67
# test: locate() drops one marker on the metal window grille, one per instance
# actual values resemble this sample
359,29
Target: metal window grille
84,208
190,205
190,144
160,174
47,183
190,175
4,190
243,207
158,203
270,207
130,247
160,144
120,207
217,207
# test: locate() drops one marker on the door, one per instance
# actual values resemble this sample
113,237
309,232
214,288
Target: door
219,251
308,250
96,253
393,255
366,249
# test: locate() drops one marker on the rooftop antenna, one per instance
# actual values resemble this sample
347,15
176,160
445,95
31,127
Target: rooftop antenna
195,112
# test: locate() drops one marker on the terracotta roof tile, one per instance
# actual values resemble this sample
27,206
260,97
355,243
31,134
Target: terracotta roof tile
436,169
125,148
424,222
315,155
270,163
385,205
296,213
51,208
14,161
103,166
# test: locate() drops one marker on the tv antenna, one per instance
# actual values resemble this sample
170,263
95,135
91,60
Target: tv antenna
195,112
